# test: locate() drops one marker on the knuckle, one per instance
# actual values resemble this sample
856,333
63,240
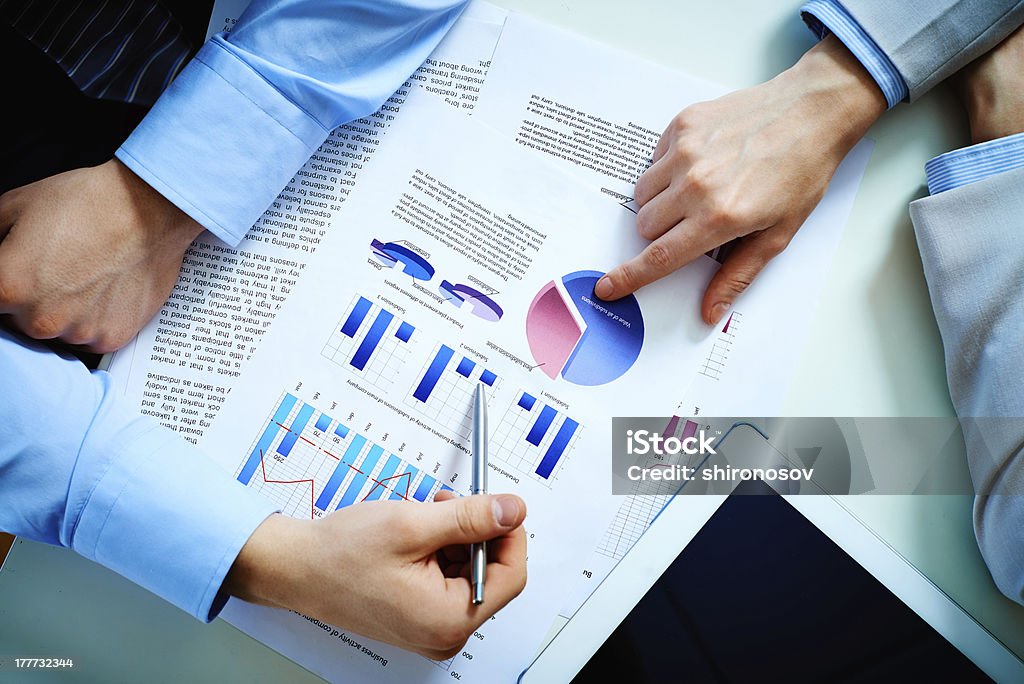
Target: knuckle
645,220
684,119
683,149
465,520
776,243
81,334
739,281
722,214
44,326
106,342
659,256
699,181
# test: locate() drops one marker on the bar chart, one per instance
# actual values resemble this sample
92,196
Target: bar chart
535,438
371,342
311,464
443,390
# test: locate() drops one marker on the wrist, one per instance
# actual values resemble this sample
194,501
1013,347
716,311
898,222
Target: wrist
161,220
837,91
992,90
270,563
993,111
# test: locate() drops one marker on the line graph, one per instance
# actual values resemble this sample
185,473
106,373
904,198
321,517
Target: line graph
311,464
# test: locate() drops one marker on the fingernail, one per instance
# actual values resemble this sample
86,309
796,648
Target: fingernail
506,510
603,289
717,311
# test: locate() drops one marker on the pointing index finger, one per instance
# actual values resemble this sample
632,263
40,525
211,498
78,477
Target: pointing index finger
676,248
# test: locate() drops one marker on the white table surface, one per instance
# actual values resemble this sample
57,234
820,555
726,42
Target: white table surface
874,351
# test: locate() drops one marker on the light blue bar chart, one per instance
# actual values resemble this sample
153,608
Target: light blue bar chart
535,437
444,388
371,342
310,464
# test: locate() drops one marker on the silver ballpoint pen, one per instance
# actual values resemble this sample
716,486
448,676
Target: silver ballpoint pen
478,552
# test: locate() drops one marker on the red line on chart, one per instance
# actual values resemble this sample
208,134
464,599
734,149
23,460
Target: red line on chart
381,483
307,441
311,485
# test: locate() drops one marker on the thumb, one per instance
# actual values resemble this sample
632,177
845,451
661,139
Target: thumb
470,519
745,261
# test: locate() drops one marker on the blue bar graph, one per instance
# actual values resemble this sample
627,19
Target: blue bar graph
527,401
283,409
557,447
541,425
426,484
340,472
298,425
382,478
322,422
447,488
404,331
369,343
341,431
465,367
365,468
488,378
433,374
355,319
400,485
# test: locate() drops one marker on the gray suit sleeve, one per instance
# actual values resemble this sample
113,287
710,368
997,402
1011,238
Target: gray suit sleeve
973,256
930,40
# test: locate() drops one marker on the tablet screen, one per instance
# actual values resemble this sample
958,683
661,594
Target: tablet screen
760,594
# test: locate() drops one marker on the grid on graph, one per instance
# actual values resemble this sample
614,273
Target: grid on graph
631,520
444,389
370,342
310,464
637,511
534,438
715,363
288,478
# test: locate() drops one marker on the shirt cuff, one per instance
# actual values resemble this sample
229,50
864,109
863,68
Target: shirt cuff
221,142
977,162
828,16
166,517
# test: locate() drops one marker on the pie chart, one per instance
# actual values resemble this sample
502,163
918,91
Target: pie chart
480,305
574,334
391,254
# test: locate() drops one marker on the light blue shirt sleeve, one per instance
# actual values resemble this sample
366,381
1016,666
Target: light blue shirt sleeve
977,162
253,105
80,469
829,16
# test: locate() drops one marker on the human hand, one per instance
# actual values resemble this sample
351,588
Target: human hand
992,90
88,256
752,165
394,571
